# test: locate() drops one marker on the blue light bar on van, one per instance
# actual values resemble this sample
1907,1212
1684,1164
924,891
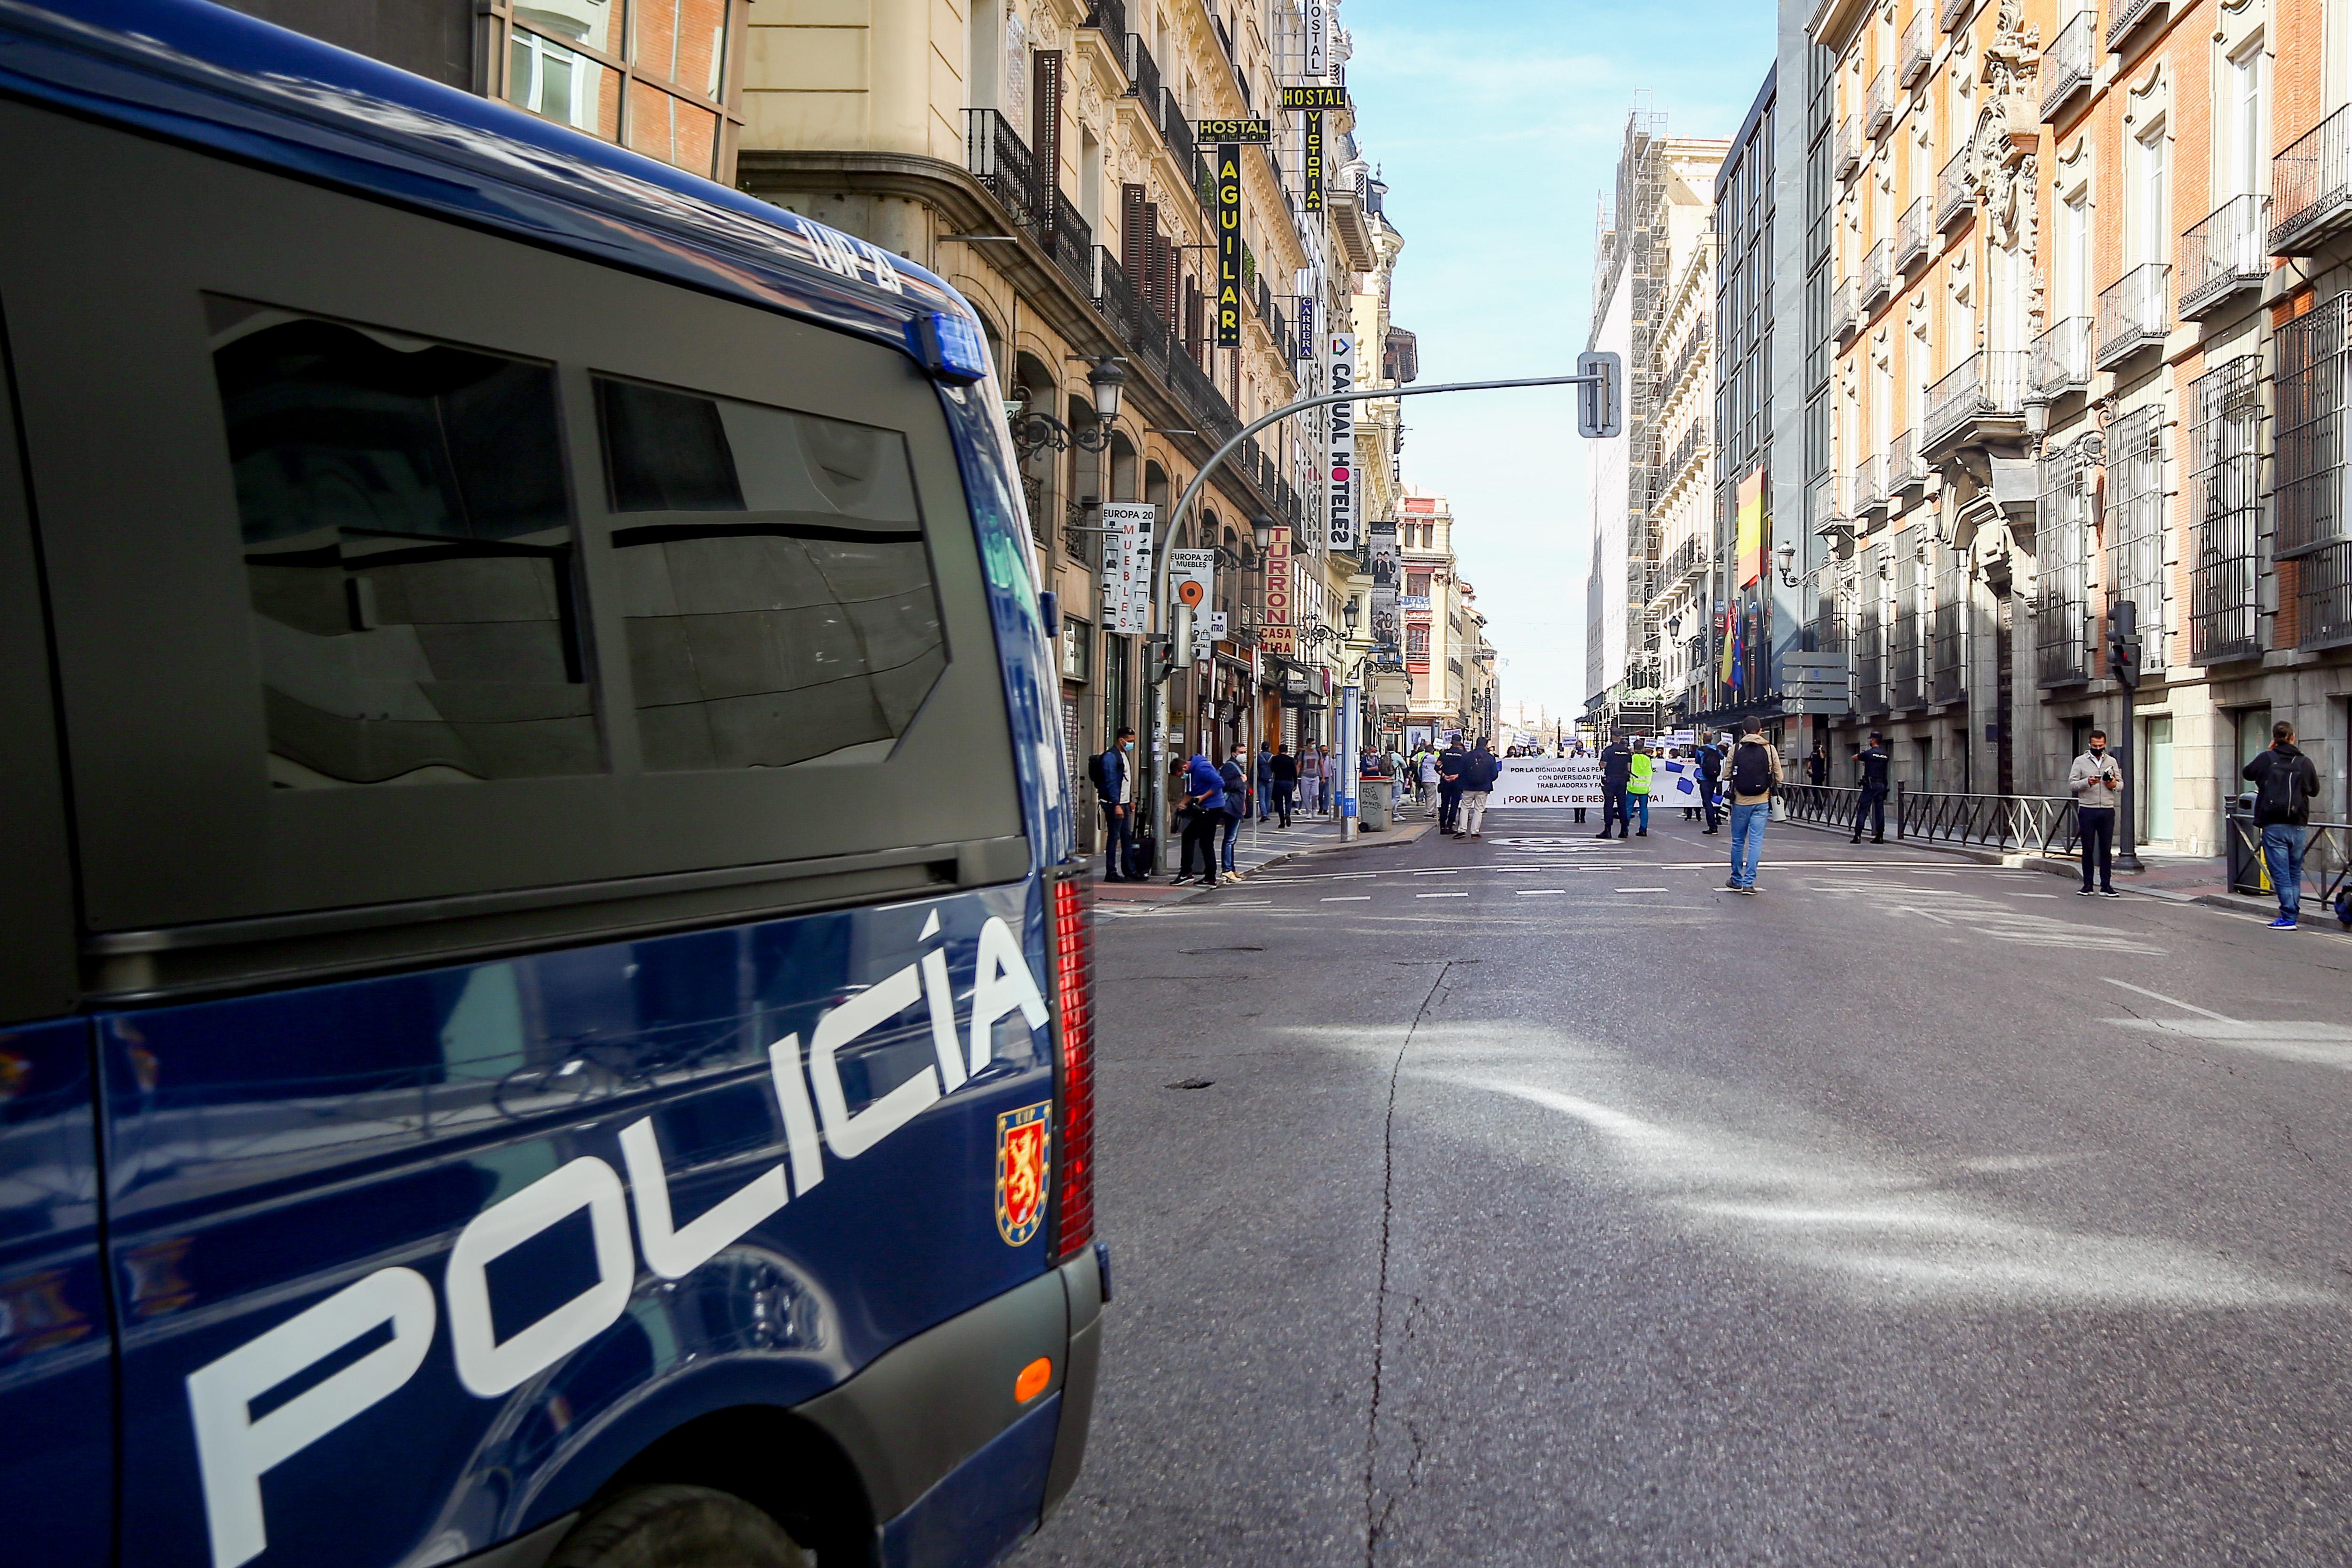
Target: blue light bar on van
950,347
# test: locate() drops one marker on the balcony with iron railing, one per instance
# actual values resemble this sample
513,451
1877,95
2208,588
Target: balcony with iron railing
2128,15
1844,320
1178,131
1954,198
2134,312
2311,187
1911,231
1981,398
1904,472
1950,14
1878,109
1069,241
1108,17
2070,61
1004,165
1870,489
1143,76
1877,277
1849,150
1919,48
1826,505
2061,358
2224,256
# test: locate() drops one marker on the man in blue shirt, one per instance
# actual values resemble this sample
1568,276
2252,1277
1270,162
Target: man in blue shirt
1205,788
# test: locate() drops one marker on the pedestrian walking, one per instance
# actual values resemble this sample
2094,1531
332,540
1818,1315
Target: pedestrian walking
1285,771
1428,771
1710,775
1204,799
1817,764
1449,784
1874,762
1238,806
1310,779
1637,786
1265,779
1754,773
1616,767
2097,784
2285,781
1479,772
1110,769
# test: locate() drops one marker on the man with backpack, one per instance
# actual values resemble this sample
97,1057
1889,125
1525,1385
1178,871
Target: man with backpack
1107,770
1875,761
1616,768
1479,772
1754,773
2284,782
1710,773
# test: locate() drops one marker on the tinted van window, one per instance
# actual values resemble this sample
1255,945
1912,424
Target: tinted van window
778,598
408,547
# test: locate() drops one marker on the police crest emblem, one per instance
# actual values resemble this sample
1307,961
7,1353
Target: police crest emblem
1021,1137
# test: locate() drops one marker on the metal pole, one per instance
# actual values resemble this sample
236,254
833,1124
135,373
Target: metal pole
1350,725
2126,853
1156,803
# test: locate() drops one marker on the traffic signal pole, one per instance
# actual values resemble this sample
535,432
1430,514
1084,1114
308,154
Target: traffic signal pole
2123,664
1598,415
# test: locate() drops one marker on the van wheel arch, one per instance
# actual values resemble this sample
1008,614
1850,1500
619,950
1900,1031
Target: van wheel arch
778,1463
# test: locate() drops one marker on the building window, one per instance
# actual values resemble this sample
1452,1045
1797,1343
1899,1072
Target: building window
1417,584
2061,589
2135,525
1906,625
1077,650
650,75
2224,500
1416,643
2315,522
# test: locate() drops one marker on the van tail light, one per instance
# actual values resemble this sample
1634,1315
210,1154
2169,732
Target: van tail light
1074,1014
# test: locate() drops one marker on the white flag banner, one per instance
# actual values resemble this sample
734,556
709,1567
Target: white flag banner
1548,781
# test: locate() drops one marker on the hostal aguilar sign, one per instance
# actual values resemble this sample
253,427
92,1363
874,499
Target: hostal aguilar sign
1229,247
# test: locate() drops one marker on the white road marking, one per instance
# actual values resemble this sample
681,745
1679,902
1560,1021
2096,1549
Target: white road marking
1437,873
2172,1002
1538,892
1641,889
1441,895
1230,903
2037,895
1350,898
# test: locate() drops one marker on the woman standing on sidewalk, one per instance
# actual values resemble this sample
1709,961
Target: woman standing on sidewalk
1236,808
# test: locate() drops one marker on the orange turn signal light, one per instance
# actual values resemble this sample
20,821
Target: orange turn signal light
1032,1379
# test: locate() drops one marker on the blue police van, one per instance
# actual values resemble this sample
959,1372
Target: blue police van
544,1002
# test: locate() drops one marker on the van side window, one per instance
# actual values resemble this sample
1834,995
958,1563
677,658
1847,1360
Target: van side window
409,551
779,599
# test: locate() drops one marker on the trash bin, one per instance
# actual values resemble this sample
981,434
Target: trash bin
1372,804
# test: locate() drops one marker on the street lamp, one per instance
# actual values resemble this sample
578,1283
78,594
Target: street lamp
1349,613
1263,527
1107,380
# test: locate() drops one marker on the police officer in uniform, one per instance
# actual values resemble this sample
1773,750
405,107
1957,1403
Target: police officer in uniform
1874,762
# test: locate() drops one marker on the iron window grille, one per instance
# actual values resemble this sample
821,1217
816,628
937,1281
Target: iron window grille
2225,511
2313,366
2324,597
2135,520
1870,649
2062,625
1908,628
1948,638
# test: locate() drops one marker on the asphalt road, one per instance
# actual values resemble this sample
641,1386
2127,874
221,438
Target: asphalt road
1533,1201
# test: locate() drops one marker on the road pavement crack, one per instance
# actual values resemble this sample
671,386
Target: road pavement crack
1376,1515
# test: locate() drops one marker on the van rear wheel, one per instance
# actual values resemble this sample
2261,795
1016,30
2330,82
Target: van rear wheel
678,1527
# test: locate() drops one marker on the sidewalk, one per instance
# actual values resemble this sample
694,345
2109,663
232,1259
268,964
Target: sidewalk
2177,878
1255,847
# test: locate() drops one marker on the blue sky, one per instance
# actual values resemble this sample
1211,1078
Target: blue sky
1497,126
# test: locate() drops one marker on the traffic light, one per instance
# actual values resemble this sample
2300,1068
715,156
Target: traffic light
1600,402
2123,642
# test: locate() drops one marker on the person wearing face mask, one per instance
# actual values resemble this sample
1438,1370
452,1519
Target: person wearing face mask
1111,780
2097,785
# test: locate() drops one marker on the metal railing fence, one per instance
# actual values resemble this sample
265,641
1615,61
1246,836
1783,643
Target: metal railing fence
2326,858
2040,823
